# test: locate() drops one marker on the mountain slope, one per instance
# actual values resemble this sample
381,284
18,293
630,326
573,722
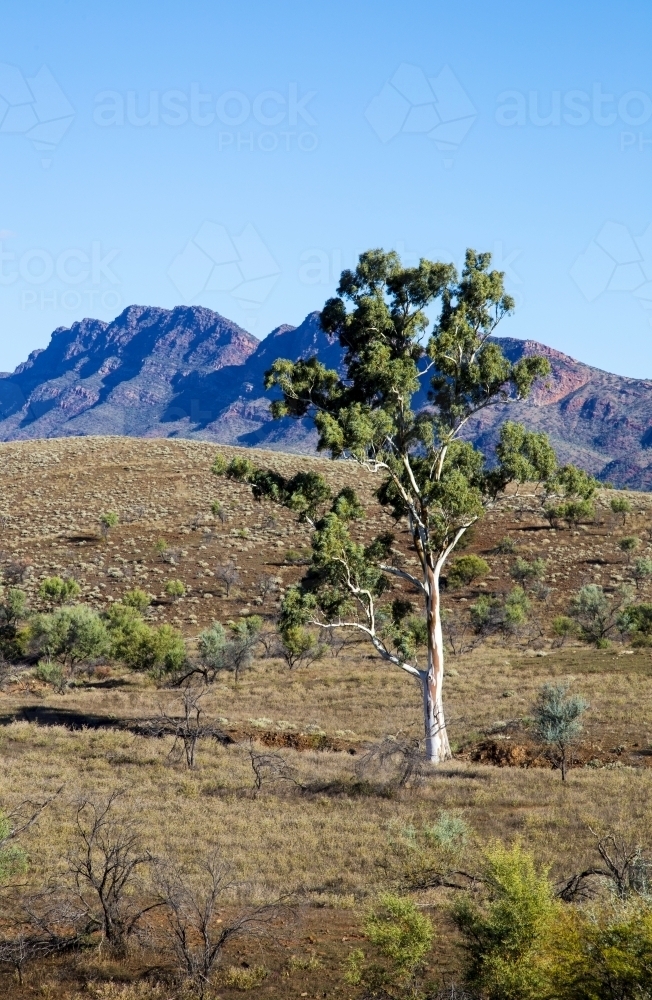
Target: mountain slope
189,372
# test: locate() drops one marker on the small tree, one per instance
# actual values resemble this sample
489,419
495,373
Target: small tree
187,729
108,521
105,868
402,936
434,482
239,651
598,615
71,635
228,575
642,571
629,545
299,647
564,628
193,899
557,721
466,569
621,505
55,590
507,938
266,584
13,611
571,511
175,589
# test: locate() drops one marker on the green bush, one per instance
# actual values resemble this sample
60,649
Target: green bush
136,599
13,611
621,505
508,937
526,572
175,589
143,648
564,627
571,511
402,936
71,635
51,673
506,546
466,569
56,590
107,521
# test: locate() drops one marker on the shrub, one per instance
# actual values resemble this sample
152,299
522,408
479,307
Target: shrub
136,599
13,610
557,721
210,646
642,571
55,590
599,616
572,511
175,589
299,646
71,635
506,546
51,673
526,572
157,650
466,569
621,505
402,935
506,939
245,979
629,545
564,627
107,521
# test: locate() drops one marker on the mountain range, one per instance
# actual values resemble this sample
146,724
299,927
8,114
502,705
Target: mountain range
189,372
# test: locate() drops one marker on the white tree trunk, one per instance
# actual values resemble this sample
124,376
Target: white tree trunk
432,681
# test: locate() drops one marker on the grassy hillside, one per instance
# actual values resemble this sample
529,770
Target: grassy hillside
324,832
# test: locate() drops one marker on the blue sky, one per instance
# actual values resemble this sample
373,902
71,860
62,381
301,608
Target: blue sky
239,155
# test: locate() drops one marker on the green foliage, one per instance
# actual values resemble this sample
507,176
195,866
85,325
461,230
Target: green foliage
564,627
642,571
621,505
598,615
494,614
218,468
557,720
175,589
526,572
136,599
299,646
605,955
161,546
439,483
629,545
639,617
466,569
51,673
71,635
571,511
506,546
402,937
400,931
157,650
108,520
13,610
507,938
210,646
55,590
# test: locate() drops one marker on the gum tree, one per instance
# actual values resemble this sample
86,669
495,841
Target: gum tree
433,481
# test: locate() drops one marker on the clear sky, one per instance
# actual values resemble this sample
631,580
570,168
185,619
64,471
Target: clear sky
239,155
